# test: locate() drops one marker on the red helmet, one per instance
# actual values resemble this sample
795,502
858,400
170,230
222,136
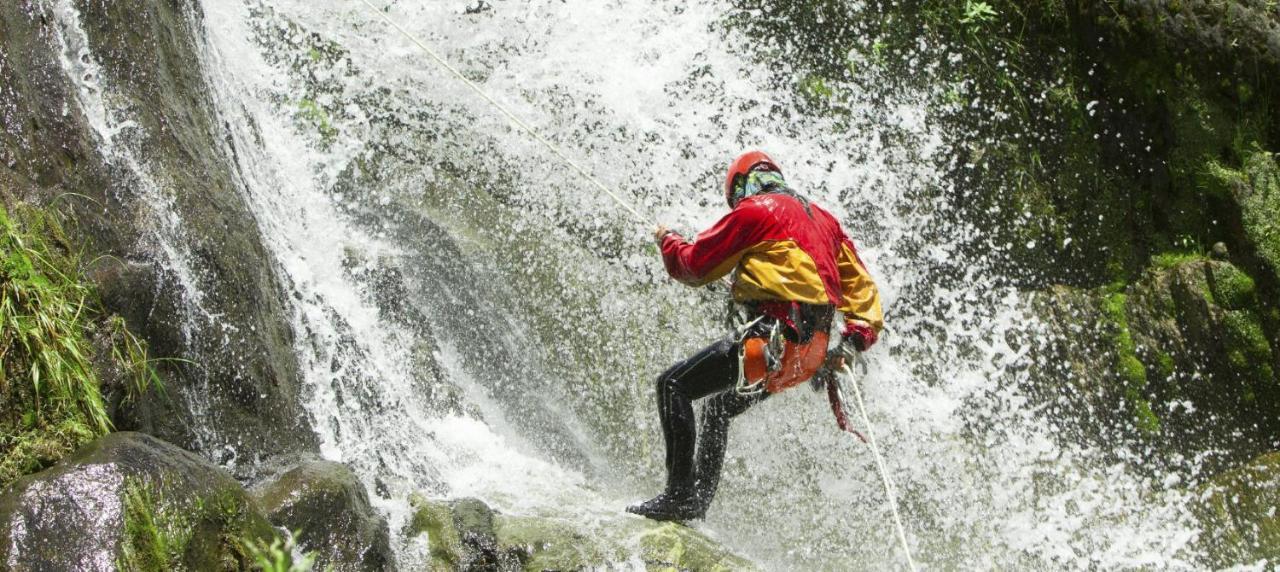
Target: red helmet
744,164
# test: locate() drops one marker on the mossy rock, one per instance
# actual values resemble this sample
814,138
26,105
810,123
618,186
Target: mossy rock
129,501
1238,512
328,509
467,535
1259,200
1232,288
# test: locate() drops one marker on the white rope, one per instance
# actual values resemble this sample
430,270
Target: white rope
884,473
511,116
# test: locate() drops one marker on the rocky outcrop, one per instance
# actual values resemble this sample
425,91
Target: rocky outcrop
328,510
130,502
1238,512
1181,355
466,534
105,115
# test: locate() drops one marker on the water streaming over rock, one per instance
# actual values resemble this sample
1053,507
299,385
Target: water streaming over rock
472,320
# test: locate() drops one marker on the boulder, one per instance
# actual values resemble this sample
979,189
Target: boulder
1238,512
466,534
328,509
128,501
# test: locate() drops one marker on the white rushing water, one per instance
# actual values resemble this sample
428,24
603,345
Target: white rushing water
472,320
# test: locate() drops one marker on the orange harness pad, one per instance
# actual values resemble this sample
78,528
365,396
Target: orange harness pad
799,362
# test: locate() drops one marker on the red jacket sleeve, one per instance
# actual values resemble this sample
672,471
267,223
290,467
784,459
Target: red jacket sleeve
859,297
716,250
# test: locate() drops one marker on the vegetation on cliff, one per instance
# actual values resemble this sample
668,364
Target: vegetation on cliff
51,331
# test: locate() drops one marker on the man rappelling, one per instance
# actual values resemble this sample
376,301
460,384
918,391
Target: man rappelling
799,276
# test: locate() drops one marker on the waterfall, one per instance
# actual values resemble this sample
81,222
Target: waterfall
472,320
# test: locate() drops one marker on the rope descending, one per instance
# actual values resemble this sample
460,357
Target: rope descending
884,473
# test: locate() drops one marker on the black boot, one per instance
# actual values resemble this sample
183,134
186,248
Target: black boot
681,504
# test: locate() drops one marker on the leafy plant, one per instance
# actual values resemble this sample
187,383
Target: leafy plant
279,555
977,13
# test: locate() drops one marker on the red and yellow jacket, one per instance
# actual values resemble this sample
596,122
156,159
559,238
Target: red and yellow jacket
781,253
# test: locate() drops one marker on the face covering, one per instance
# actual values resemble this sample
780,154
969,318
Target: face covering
757,182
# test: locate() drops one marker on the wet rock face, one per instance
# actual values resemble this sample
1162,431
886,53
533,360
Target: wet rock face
150,179
466,534
328,508
90,511
1238,511
1182,354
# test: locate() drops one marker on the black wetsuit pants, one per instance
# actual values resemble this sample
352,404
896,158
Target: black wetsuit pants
711,373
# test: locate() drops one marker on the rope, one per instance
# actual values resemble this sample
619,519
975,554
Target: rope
884,473
511,116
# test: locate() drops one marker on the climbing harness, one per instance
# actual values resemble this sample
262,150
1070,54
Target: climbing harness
511,116
773,362
754,354
870,439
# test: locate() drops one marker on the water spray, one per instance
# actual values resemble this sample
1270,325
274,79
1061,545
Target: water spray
510,115
515,120
875,452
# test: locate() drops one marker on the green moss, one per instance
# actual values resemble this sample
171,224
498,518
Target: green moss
815,88
1244,334
1232,288
554,545
1259,201
1238,514
672,546
1132,371
435,519
314,114
1168,260
1165,364
1147,421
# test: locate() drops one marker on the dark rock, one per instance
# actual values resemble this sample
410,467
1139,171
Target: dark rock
1238,512
1186,342
103,507
237,370
327,507
1220,251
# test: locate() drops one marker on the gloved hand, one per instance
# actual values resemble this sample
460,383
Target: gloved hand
860,335
660,233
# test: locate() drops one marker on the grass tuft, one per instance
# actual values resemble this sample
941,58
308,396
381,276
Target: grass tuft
50,398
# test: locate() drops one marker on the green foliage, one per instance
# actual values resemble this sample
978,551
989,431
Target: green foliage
214,532
278,556
1167,260
51,402
977,13
50,399
152,541
130,353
